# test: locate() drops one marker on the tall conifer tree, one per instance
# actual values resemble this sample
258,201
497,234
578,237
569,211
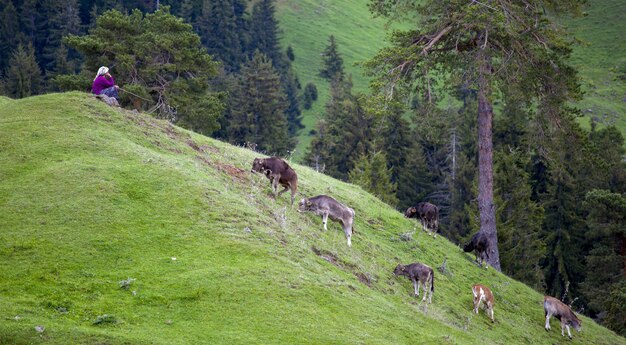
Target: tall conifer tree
458,40
258,117
333,62
23,77
219,28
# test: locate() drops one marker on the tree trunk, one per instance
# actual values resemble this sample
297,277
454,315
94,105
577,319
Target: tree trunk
486,207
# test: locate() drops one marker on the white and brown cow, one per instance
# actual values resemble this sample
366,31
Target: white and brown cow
483,294
419,274
560,310
327,207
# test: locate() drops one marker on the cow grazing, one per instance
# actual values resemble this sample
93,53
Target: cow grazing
419,274
278,172
483,294
327,207
554,307
480,245
428,215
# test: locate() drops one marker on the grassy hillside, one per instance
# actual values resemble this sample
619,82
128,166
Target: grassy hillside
306,27
116,228
601,53
307,24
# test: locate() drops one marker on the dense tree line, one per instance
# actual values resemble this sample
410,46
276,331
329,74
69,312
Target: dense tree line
50,46
558,190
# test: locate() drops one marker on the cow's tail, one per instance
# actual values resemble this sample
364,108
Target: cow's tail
294,185
432,281
353,228
294,189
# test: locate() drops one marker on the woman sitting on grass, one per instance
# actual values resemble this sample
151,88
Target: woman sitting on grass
104,84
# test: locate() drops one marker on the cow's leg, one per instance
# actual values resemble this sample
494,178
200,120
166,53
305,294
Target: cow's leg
347,229
562,329
275,180
430,292
568,332
477,301
548,321
284,190
325,220
416,287
435,227
425,286
491,313
293,194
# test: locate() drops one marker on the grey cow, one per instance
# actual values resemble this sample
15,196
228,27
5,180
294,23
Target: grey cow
419,274
327,207
560,310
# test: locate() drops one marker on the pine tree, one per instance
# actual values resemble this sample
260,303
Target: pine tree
187,11
157,56
606,283
63,20
294,116
371,172
564,227
333,63
23,77
519,220
259,115
219,28
9,32
470,42
264,33
309,96
264,36
348,134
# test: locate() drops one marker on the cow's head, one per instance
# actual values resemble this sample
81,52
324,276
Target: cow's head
400,270
304,205
576,323
257,165
468,247
410,212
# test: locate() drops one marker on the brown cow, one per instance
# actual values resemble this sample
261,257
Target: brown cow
483,294
428,215
554,307
277,171
480,245
419,274
325,206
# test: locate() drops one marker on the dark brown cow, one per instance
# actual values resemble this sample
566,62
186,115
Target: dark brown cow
480,245
554,307
277,171
325,206
419,274
483,294
428,215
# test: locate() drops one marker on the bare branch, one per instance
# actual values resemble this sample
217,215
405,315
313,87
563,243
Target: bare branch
436,39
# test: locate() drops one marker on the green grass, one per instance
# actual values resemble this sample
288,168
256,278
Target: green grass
91,196
307,24
601,53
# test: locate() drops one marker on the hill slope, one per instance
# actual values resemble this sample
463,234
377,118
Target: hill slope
307,24
118,228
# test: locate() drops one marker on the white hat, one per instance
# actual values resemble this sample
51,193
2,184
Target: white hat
101,71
